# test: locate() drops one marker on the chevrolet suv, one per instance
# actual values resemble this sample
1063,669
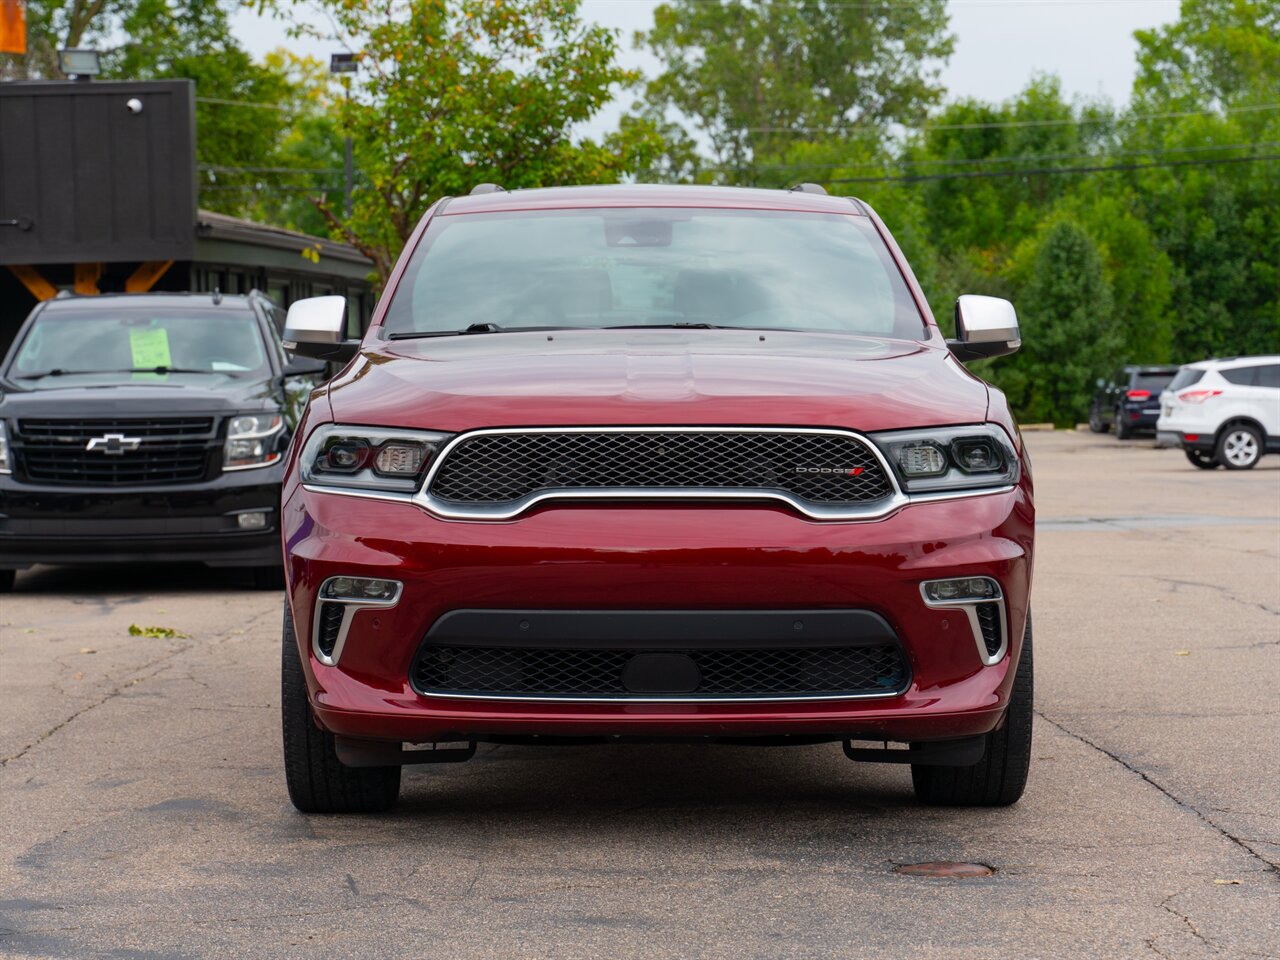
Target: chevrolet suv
633,463
147,427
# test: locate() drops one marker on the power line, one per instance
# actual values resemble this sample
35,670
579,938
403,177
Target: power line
1006,124
1106,168
979,161
219,168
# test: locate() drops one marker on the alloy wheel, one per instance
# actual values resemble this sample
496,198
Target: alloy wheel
1240,448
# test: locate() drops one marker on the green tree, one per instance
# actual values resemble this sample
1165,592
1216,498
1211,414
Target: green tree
459,92
1068,336
752,75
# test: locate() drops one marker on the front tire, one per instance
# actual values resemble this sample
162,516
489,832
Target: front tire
1202,459
1239,447
318,781
6,580
999,778
1096,423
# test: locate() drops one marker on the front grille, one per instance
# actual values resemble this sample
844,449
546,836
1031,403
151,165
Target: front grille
169,450
989,624
331,615
503,468
775,673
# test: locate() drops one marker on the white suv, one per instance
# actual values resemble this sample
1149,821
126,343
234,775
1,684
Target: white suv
1223,412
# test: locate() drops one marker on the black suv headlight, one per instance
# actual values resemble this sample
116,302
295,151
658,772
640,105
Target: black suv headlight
940,459
369,458
251,441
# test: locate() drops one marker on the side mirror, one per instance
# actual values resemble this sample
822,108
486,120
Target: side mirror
985,327
316,327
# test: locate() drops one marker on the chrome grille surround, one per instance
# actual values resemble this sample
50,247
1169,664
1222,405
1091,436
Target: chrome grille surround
875,496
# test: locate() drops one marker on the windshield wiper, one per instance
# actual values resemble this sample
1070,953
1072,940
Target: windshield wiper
59,372
474,328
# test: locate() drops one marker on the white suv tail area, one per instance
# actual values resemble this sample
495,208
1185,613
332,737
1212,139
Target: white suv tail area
1223,412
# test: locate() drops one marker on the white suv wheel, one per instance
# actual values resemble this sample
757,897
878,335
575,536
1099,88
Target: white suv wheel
1239,448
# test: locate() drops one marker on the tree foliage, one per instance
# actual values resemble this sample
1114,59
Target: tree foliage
458,92
752,75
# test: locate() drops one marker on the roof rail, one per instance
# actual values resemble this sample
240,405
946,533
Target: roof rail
808,188
482,188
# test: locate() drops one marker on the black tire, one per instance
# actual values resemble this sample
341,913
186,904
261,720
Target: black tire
1096,423
318,782
1123,431
267,578
999,778
1202,459
1239,447
6,580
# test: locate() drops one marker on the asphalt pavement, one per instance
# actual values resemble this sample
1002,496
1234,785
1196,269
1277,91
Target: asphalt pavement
143,811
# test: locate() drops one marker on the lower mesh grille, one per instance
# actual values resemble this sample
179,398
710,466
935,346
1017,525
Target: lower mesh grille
989,624
697,673
330,626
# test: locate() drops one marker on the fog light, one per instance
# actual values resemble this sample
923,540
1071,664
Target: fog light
360,588
257,520
961,589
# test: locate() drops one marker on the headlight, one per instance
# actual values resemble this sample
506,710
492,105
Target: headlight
950,458
369,458
251,441
6,463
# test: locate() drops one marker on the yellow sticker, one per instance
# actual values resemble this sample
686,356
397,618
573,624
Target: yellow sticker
150,348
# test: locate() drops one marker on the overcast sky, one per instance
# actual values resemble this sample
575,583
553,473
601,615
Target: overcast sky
1000,44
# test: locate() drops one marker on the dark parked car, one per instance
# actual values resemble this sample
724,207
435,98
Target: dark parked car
1130,400
147,427
637,463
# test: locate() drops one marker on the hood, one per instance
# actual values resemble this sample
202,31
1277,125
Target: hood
179,394
656,377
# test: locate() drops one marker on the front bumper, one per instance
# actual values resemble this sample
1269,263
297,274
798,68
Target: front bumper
651,557
171,523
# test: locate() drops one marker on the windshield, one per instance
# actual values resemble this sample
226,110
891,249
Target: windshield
138,342
621,267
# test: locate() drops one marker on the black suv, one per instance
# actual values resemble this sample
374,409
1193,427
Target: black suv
1130,400
147,427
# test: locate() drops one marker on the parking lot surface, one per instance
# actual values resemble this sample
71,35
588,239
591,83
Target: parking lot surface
143,812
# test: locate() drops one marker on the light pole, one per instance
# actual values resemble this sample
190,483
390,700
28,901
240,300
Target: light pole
346,63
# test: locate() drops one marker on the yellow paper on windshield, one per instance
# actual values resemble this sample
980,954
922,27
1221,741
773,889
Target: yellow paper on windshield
149,347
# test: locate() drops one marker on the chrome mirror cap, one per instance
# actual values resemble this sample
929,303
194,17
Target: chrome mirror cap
317,327
985,327
316,320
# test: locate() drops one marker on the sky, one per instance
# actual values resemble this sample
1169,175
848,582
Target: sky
1000,44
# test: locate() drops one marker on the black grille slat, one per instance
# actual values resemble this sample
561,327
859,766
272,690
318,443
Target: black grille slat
170,450
989,624
597,672
330,625
818,468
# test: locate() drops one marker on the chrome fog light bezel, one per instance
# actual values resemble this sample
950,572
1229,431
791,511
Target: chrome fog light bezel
352,606
969,604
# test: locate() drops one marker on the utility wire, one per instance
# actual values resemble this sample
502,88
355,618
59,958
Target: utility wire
979,161
928,127
1107,168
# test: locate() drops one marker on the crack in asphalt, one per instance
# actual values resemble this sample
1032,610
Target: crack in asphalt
133,678
1271,865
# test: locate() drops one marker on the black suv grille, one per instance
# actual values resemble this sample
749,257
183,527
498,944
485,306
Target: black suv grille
168,450
603,672
506,467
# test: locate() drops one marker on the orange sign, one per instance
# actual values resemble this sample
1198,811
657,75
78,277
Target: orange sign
13,27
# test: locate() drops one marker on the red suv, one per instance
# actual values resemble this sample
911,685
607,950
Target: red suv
643,463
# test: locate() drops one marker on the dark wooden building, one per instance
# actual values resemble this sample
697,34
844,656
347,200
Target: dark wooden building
98,194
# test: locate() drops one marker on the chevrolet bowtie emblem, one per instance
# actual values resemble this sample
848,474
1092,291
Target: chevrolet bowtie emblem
113,444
